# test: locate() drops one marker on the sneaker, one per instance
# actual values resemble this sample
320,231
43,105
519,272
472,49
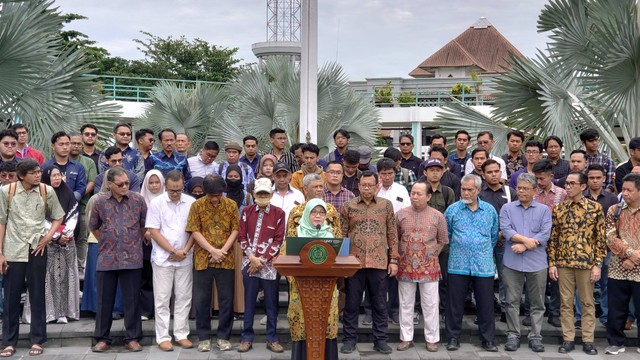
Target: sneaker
555,321
263,321
513,343
224,345
367,319
62,320
383,348
614,350
347,348
578,324
204,346
416,318
536,345
144,318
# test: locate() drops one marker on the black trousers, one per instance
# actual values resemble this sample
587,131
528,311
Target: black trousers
146,290
443,259
34,271
375,280
107,282
619,294
202,293
457,288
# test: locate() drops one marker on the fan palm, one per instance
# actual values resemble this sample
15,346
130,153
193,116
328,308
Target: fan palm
267,95
42,84
192,111
588,78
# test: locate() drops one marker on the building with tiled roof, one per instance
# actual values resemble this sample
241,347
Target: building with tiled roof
481,48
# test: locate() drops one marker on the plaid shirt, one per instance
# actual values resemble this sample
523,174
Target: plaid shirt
555,196
338,199
608,165
411,178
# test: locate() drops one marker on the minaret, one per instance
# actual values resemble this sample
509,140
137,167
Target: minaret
283,31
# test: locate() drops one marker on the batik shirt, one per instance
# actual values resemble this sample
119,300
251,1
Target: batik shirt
623,241
420,235
577,235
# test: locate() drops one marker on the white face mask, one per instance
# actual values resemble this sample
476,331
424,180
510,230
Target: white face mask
262,203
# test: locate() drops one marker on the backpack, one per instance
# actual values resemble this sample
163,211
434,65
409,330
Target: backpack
12,192
405,176
616,216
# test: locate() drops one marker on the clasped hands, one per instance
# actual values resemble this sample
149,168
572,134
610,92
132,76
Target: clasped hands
632,261
178,255
255,264
216,255
527,244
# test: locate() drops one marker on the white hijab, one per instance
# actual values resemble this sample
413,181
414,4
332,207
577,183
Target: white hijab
146,192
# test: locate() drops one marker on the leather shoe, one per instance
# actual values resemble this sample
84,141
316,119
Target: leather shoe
101,346
185,344
133,346
275,347
165,346
348,348
536,345
589,349
405,345
489,346
432,347
245,346
554,321
453,344
382,348
566,347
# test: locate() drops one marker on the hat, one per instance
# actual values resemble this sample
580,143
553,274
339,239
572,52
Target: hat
280,166
634,143
433,162
262,185
365,154
232,145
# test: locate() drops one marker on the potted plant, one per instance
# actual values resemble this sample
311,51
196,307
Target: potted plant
406,99
383,95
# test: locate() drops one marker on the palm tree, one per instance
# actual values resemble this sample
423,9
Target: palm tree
588,78
267,95
190,110
42,84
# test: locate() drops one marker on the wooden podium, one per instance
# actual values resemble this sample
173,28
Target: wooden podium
315,270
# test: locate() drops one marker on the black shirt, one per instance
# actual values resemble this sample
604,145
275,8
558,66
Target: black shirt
413,164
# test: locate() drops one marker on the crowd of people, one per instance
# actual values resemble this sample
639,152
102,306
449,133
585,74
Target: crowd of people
161,234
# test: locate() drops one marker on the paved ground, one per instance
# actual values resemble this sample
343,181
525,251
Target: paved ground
73,341
467,352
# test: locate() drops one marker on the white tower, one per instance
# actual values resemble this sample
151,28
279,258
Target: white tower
283,30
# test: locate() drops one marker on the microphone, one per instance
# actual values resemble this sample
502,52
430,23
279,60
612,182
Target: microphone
318,227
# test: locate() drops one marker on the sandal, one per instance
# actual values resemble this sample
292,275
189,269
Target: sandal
8,351
36,350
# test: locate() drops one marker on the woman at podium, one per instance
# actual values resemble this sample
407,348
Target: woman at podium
313,223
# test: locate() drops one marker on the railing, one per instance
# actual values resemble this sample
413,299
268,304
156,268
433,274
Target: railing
125,88
404,92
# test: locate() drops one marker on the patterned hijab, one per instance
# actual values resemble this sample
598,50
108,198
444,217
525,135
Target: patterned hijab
307,229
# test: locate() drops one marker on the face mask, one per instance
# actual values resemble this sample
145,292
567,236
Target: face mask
234,184
198,196
262,203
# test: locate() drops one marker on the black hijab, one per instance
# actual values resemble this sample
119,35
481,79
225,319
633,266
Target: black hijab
235,189
65,195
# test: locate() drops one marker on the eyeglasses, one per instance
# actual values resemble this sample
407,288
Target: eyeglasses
21,133
405,144
532,152
122,185
318,213
571,183
89,134
10,143
76,144
521,188
178,191
125,134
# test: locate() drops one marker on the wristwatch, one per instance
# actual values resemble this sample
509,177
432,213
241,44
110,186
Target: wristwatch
599,264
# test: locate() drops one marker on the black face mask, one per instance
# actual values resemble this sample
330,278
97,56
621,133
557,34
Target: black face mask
198,196
234,184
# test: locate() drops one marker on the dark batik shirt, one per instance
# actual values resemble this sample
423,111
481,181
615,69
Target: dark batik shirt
121,225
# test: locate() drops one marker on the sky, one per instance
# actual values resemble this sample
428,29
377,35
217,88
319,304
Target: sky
369,38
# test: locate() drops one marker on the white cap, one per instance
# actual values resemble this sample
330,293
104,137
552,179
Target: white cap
262,185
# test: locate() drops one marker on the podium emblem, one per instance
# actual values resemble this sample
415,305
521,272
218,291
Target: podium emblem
318,254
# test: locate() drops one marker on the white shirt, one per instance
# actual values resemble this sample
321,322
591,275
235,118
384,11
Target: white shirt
468,168
291,199
199,168
171,219
397,194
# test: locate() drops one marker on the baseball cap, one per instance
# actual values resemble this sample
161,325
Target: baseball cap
365,154
433,162
262,185
280,166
